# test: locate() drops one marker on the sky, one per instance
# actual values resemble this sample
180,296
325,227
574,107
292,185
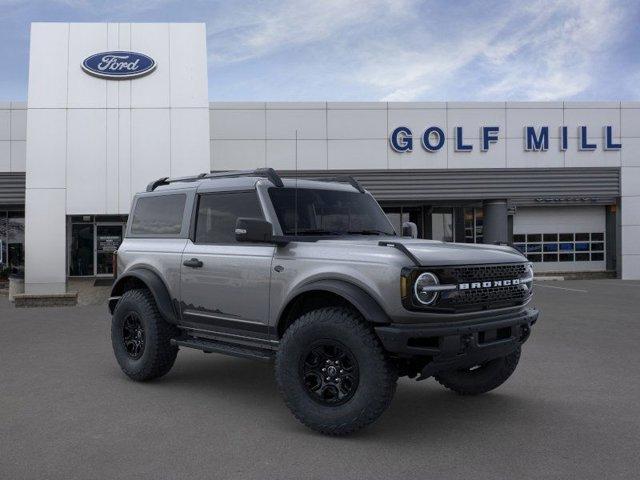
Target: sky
377,50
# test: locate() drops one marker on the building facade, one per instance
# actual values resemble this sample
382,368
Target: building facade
558,180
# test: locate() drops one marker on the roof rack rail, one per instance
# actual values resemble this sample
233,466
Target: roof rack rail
269,173
341,179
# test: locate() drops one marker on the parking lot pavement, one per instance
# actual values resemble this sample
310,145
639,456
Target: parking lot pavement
570,411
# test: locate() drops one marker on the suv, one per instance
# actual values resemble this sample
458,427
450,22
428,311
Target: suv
311,274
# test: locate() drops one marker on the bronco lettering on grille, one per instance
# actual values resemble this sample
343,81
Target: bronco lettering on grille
488,284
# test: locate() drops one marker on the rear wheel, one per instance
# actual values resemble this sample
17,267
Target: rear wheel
141,338
480,378
332,372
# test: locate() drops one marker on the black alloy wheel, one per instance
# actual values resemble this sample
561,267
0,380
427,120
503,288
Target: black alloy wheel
329,372
133,335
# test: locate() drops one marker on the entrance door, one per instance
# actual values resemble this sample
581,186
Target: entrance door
108,239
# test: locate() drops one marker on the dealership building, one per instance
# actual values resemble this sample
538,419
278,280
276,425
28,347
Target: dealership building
114,106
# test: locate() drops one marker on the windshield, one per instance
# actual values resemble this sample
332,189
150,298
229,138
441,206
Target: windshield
328,212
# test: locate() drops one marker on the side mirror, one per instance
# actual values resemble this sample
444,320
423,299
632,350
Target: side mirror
409,229
255,230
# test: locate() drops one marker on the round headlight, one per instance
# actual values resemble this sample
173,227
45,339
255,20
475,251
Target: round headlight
422,290
528,279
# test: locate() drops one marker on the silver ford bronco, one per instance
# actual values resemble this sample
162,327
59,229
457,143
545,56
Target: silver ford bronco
311,274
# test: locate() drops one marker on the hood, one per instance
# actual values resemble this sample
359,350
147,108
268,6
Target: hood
433,252
437,253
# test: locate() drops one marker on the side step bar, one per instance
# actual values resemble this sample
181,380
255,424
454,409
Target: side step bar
212,346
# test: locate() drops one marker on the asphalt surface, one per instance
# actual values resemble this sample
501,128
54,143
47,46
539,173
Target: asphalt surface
571,410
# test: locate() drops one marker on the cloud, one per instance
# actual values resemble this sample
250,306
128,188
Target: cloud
255,32
408,50
543,51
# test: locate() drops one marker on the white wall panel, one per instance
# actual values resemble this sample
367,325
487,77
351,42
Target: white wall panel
630,267
597,158
630,153
472,119
5,156
189,141
18,124
492,158
630,235
124,86
124,161
518,157
419,157
630,181
113,43
238,154
188,65
45,241
86,91
356,154
630,211
312,154
592,118
86,161
310,124
48,58
46,148
111,161
630,122
357,124
237,124
153,90
5,124
18,156
281,154
518,118
418,120
150,146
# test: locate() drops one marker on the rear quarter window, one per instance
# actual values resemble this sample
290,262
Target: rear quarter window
158,215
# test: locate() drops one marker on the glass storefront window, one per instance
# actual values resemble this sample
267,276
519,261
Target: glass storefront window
473,223
91,243
442,224
542,247
11,242
81,258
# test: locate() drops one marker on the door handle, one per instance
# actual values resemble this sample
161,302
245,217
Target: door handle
193,263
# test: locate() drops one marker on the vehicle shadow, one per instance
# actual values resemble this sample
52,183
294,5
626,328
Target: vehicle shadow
416,408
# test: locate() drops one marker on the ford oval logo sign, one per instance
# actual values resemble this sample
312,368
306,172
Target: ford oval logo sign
118,65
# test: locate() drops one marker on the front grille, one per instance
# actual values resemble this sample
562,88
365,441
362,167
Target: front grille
478,273
482,298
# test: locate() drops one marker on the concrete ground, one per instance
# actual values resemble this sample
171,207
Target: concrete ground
572,409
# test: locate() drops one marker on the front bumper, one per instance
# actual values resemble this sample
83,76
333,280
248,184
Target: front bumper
447,347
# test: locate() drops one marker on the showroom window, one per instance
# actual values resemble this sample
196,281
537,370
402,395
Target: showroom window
561,247
11,242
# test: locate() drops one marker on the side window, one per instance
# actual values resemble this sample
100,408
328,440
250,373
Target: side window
218,212
158,215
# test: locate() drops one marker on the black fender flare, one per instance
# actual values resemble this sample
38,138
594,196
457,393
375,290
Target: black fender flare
368,307
155,285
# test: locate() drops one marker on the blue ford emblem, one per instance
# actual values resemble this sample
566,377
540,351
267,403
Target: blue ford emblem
118,65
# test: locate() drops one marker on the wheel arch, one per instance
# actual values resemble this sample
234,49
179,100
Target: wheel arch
145,278
329,292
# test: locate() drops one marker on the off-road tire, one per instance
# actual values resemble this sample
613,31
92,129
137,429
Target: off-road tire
377,376
481,380
158,354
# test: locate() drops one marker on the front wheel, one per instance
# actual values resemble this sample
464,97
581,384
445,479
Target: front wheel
333,373
480,378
